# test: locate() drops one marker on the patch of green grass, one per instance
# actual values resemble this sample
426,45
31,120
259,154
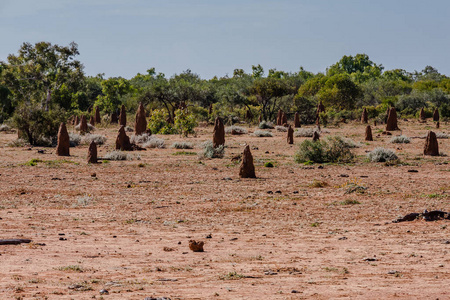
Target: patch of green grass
315,224
435,196
268,164
33,162
184,153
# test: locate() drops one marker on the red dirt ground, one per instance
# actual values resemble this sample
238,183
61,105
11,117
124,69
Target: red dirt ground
127,229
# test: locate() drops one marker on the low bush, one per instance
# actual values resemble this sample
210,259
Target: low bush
154,142
333,149
380,154
235,130
281,128
119,155
210,152
182,145
305,132
262,133
265,125
97,138
400,139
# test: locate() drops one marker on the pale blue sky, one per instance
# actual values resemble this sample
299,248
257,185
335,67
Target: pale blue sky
122,38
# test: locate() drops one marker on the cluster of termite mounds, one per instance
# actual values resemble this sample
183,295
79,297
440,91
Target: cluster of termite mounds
122,141
247,169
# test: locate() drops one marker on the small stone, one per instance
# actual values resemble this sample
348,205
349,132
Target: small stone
104,292
196,246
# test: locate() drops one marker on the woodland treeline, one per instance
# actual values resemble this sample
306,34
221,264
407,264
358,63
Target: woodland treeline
47,82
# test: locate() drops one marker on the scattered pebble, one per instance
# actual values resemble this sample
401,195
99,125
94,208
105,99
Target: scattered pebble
270,273
370,259
104,292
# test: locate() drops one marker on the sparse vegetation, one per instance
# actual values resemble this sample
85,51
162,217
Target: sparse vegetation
281,128
120,155
305,132
182,145
262,133
232,276
210,152
333,149
154,142
400,139
266,125
380,154
235,130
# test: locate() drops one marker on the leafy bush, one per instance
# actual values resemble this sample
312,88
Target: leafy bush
380,154
281,128
120,155
182,145
38,126
400,139
265,125
262,133
185,122
333,149
235,130
158,122
210,152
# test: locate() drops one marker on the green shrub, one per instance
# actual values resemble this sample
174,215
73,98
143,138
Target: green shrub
185,122
333,149
268,164
158,123
38,126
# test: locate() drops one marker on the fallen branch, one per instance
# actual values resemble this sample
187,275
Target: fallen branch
14,241
433,215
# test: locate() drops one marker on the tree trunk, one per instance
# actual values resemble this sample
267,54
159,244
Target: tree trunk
47,101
